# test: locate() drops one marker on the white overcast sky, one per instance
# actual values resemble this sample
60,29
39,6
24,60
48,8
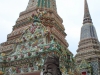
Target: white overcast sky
71,11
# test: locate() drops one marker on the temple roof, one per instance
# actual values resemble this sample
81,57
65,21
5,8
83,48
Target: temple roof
84,65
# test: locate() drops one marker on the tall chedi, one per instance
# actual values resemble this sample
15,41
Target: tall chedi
38,32
88,53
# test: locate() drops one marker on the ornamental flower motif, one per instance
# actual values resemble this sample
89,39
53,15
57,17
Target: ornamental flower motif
3,54
29,54
15,57
55,45
46,32
35,37
25,66
13,68
9,59
24,39
62,70
32,68
46,47
22,56
44,54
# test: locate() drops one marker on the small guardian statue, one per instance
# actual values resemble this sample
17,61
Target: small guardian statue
51,66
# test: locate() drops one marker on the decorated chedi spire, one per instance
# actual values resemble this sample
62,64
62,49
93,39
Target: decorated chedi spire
42,4
88,29
88,47
87,16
